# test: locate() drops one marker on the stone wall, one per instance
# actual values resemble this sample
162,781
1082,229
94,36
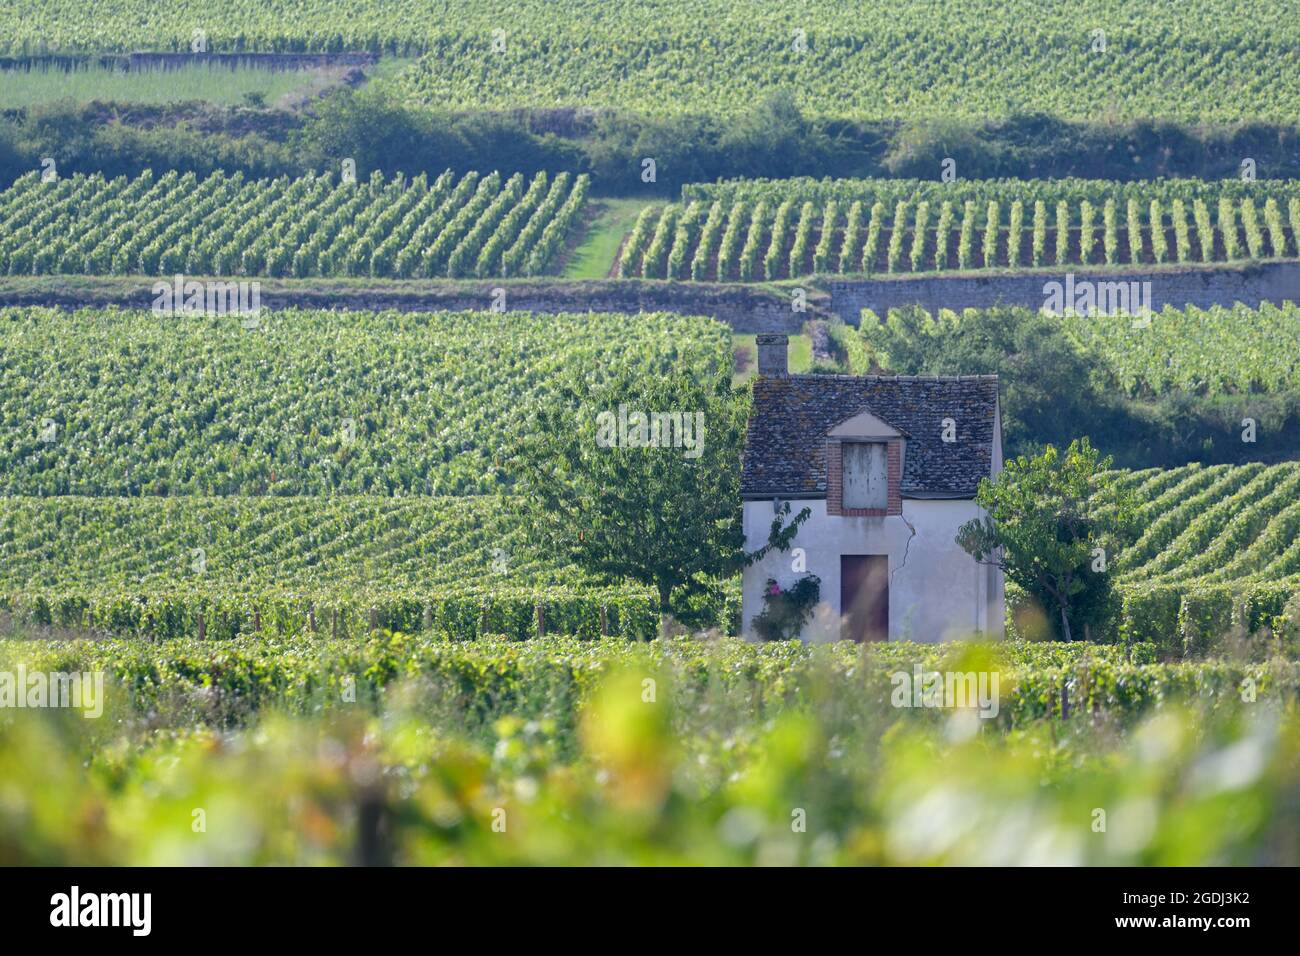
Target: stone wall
747,309
1267,282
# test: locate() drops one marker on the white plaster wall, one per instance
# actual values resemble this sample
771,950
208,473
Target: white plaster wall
937,591
996,468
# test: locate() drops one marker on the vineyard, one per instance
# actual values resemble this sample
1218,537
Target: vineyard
224,225
1218,523
107,402
437,739
1099,58
219,567
345,543
772,229
435,432
291,673
934,191
1211,351
1219,550
1216,547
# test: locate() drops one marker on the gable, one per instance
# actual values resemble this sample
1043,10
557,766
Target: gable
792,419
861,426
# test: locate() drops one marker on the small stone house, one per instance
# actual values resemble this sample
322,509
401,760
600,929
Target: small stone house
888,466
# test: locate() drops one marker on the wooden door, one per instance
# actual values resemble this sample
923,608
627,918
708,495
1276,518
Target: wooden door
864,597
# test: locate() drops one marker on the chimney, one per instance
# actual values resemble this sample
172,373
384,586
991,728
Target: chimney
773,348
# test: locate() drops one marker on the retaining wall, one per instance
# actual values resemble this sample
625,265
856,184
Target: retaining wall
1265,282
747,309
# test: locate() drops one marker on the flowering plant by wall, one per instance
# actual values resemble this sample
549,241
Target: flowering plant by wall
786,611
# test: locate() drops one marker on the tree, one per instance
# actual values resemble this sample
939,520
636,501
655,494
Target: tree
1047,386
920,146
640,481
684,149
1052,525
774,139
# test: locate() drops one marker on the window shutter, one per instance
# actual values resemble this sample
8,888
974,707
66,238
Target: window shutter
866,475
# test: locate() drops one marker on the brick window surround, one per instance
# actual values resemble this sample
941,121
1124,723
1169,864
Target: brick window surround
835,481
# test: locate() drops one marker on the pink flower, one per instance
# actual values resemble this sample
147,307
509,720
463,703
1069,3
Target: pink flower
774,588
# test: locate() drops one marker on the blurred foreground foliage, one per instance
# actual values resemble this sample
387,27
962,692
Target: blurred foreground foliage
559,751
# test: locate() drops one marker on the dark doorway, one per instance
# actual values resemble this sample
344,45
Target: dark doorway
864,597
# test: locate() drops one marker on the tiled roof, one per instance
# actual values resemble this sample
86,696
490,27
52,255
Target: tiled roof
785,446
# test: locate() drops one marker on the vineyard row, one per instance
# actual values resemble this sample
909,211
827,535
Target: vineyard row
224,225
739,241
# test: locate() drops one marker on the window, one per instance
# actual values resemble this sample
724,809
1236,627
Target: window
866,475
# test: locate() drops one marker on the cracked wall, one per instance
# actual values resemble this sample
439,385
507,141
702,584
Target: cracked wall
937,591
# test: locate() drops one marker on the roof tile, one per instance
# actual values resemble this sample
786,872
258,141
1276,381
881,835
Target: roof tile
785,445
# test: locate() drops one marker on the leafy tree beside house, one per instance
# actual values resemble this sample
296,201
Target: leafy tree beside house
1054,523
609,493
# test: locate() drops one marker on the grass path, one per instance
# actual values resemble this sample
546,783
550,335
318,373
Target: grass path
200,82
611,221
